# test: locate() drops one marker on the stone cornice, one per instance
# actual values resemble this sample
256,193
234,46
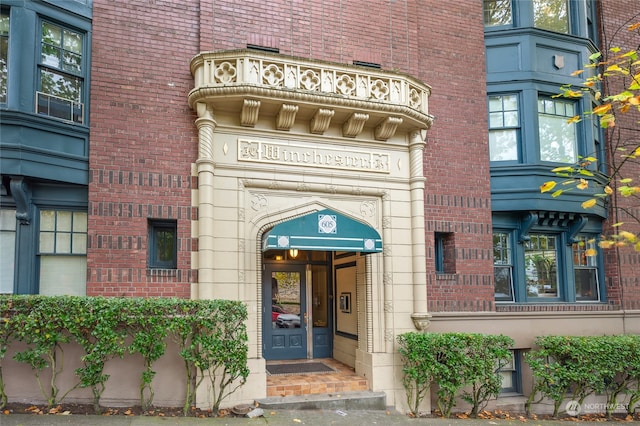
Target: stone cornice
226,80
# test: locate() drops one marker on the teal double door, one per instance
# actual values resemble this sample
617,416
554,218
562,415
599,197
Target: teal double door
296,311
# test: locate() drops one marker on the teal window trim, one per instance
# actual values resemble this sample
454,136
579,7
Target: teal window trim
505,118
503,265
163,244
439,252
514,370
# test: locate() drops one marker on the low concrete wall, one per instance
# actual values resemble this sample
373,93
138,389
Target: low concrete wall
122,388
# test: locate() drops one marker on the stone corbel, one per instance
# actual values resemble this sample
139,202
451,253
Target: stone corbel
354,125
286,117
575,227
421,321
22,197
250,112
387,128
321,121
526,225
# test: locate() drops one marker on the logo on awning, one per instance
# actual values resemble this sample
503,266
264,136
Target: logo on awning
327,224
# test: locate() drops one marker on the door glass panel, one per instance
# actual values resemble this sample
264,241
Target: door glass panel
286,299
319,296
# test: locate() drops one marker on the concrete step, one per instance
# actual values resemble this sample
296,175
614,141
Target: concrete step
361,400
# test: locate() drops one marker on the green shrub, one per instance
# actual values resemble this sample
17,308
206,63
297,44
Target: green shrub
581,366
453,361
211,335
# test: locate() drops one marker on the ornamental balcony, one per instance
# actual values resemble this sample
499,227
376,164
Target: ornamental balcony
257,84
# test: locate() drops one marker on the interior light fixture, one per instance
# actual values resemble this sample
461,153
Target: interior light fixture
293,253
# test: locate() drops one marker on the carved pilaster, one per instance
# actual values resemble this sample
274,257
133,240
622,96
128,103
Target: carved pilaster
387,128
286,117
206,125
321,121
354,125
250,112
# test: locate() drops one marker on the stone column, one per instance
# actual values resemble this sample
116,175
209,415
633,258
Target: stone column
420,315
206,174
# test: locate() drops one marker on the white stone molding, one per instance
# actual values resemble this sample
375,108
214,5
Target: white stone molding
321,121
387,128
286,116
354,125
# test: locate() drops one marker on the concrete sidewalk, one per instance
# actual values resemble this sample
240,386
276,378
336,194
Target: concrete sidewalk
270,417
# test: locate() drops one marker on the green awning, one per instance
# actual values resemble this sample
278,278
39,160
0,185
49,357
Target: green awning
325,230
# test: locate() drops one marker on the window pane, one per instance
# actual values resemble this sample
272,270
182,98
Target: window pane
47,242
551,15
4,54
164,245
541,265
503,145
558,141
496,119
47,220
79,244
63,275
497,12
79,222
72,41
63,86
51,44
503,283
64,221
63,243
72,62
586,284
7,249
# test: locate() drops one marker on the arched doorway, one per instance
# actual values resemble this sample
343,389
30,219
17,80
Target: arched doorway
297,280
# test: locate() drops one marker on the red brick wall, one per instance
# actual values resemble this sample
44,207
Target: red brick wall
142,142
623,264
143,137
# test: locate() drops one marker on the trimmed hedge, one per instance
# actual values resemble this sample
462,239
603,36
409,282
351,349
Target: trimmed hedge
211,336
453,361
576,367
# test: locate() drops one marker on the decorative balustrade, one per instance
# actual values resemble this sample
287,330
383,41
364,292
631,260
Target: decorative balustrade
260,75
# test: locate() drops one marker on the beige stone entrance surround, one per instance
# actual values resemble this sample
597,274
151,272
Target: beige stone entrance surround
281,136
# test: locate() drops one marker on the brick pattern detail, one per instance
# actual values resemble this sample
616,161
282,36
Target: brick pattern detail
143,142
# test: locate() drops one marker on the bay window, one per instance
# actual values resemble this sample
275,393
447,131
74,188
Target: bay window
544,268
